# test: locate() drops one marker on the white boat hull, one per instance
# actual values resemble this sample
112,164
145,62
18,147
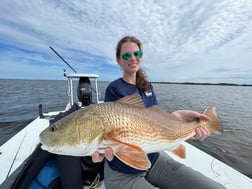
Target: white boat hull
16,150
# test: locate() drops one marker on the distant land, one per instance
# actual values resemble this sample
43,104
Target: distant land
158,82
192,83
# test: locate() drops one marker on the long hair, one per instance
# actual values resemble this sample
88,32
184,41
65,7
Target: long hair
141,78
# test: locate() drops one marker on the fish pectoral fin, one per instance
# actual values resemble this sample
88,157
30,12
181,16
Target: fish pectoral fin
133,156
179,151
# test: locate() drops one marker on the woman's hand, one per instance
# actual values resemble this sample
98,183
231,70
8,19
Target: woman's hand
188,115
201,134
97,157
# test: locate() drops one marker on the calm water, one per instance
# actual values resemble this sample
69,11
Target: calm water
20,99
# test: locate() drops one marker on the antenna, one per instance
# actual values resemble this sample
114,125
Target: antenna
62,59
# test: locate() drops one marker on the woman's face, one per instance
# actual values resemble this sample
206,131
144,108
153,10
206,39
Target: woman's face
133,63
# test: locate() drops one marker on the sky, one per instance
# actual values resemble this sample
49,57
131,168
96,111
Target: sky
183,40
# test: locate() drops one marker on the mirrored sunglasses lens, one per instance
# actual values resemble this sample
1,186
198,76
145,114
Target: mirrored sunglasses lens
138,54
126,55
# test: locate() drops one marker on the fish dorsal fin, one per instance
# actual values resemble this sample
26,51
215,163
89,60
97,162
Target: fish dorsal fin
134,99
155,108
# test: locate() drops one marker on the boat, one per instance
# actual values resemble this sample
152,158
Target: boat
15,153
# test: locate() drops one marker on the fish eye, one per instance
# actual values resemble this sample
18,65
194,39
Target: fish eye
53,128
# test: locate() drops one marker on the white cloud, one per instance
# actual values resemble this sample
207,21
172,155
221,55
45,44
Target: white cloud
183,40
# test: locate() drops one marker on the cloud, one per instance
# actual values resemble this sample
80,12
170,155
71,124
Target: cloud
183,40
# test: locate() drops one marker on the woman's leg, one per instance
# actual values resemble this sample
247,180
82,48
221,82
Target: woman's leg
167,173
116,180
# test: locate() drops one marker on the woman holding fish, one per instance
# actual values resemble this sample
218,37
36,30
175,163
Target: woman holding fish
164,171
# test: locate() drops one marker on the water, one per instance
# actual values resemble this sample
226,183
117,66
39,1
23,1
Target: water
234,107
20,99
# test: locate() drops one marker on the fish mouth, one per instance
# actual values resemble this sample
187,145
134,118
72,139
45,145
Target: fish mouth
62,150
52,150
46,148
44,145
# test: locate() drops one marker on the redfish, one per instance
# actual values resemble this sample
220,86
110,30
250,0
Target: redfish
130,129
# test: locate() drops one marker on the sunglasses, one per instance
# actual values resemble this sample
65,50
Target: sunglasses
127,55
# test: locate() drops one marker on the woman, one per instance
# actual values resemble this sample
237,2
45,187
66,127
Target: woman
164,172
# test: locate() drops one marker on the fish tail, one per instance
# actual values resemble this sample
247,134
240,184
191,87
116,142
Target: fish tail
214,123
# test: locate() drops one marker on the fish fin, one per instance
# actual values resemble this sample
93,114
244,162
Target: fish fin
132,155
155,108
179,151
214,123
134,99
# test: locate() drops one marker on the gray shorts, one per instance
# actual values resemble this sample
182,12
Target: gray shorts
166,173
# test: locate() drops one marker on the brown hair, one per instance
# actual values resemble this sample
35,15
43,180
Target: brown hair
141,78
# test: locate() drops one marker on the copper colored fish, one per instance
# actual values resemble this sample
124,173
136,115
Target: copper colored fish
130,129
